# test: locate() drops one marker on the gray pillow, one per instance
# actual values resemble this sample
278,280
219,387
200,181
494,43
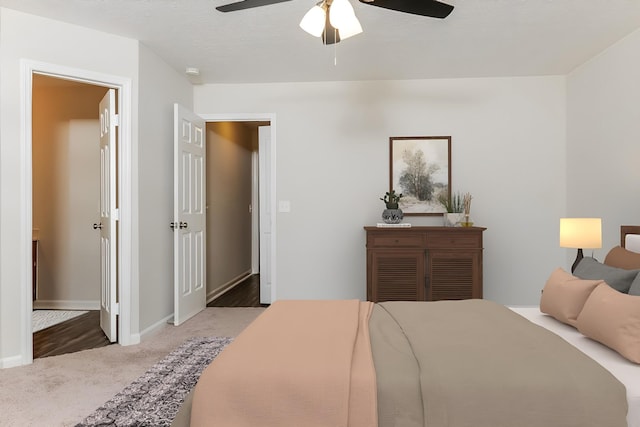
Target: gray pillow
618,278
635,286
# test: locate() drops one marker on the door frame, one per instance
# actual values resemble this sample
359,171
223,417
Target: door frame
259,117
127,171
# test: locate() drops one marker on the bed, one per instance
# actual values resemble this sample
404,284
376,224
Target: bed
470,363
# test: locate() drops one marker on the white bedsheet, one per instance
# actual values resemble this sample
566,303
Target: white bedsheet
625,371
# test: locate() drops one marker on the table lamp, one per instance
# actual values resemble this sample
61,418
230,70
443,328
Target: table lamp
579,233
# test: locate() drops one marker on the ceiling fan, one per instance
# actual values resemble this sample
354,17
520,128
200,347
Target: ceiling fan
333,26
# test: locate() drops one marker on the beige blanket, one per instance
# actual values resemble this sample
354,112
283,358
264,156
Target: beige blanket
467,363
475,363
301,363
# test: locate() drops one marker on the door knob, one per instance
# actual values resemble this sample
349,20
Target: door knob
96,226
176,225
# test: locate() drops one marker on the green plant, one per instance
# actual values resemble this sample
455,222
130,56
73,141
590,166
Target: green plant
391,199
453,204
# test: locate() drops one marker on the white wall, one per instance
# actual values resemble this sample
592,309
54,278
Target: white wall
160,87
38,39
603,144
332,165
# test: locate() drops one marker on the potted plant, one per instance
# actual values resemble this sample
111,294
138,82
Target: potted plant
453,204
391,199
455,207
392,214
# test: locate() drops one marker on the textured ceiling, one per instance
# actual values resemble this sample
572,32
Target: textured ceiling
480,38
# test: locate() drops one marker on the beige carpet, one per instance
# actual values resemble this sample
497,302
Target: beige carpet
62,390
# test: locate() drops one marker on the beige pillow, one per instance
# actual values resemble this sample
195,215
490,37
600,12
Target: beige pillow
613,319
564,295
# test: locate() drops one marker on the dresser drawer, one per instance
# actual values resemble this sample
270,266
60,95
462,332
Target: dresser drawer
454,240
399,240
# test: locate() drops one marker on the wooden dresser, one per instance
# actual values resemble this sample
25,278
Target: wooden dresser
424,263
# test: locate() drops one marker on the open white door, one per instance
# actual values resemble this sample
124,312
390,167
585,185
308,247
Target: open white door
189,215
108,216
264,159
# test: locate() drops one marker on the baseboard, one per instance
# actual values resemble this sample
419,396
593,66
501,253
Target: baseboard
226,287
210,297
133,340
11,362
65,305
155,326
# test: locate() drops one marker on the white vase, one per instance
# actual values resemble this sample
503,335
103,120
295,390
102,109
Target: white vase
453,219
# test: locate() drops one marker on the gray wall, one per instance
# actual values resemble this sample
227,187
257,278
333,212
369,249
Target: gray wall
603,140
160,87
332,155
530,150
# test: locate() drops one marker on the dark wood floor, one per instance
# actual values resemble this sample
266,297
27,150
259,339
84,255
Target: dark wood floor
244,294
80,333
83,332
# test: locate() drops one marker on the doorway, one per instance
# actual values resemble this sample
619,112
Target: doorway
125,189
233,206
65,208
256,132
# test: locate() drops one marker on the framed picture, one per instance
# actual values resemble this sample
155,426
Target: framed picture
420,169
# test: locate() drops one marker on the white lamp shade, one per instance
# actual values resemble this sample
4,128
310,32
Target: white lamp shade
313,21
342,17
580,233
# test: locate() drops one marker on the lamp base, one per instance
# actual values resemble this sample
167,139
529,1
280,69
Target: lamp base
579,257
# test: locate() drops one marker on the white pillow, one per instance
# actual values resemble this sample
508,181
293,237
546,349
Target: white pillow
632,242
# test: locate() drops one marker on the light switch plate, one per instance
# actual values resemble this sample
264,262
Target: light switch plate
284,206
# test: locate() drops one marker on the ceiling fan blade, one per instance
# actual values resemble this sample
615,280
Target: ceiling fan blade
246,4
431,8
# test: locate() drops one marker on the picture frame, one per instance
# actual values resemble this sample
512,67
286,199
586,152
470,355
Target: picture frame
420,169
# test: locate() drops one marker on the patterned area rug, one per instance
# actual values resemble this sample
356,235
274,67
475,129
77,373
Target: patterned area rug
153,399
43,319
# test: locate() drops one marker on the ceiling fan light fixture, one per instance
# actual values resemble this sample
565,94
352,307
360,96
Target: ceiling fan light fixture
340,13
313,21
350,28
330,17
330,35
